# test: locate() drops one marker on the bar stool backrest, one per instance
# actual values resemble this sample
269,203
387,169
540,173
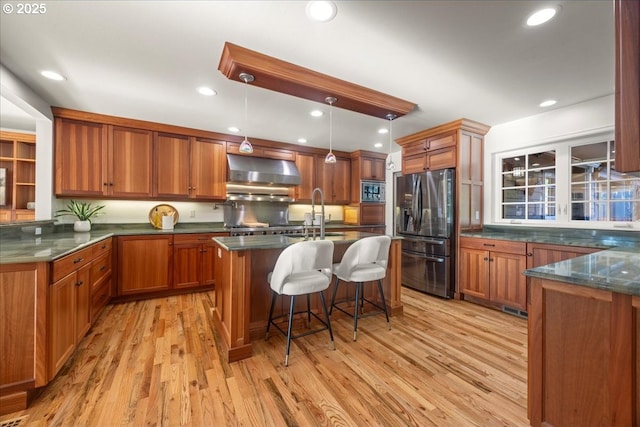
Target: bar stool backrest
311,255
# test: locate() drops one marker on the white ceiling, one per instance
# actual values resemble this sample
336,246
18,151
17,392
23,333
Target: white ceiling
473,59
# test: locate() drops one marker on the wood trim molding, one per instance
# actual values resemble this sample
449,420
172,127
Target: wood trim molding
460,124
285,77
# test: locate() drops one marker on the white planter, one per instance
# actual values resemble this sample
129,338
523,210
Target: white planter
82,226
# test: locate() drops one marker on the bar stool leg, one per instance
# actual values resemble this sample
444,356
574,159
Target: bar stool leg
356,309
308,311
384,303
333,297
326,315
273,304
286,358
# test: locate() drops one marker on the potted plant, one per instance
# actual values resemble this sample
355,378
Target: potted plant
83,211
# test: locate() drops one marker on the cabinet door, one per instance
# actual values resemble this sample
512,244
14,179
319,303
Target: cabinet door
62,320
145,264
172,165
340,173
414,164
83,302
208,262
187,264
306,164
539,254
80,158
208,169
373,169
508,285
130,160
441,159
474,272
371,213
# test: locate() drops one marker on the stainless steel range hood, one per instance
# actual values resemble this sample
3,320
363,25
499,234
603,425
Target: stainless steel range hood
256,170
261,180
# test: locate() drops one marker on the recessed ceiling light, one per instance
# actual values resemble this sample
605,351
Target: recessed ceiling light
206,91
548,103
535,165
233,129
383,130
378,144
316,113
53,75
302,140
541,16
321,11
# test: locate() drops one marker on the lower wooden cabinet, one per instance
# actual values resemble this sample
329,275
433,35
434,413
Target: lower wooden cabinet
492,270
23,320
145,264
193,260
583,356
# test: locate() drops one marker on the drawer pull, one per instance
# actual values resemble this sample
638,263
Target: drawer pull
491,245
103,247
103,268
486,259
77,260
79,283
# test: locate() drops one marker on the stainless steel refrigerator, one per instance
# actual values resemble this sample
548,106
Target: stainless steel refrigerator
424,212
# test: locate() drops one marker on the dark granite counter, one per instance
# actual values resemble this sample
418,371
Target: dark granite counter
241,243
616,268
20,244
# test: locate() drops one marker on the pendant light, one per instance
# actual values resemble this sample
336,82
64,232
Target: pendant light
330,158
245,146
390,117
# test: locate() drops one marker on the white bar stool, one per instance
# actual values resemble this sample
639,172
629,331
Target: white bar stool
364,261
301,269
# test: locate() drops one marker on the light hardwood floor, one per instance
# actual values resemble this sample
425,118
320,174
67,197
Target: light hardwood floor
155,362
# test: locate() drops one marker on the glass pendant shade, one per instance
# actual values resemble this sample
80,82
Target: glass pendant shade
330,157
245,146
390,117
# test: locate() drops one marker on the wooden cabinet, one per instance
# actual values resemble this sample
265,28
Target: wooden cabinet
193,260
306,164
431,153
263,151
582,356
539,254
23,316
18,169
364,214
190,167
101,268
145,263
334,179
627,99
94,159
368,165
492,270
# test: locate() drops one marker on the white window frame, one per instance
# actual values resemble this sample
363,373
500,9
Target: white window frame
562,148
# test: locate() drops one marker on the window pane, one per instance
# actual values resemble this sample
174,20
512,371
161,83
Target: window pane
541,211
589,152
542,160
513,211
589,172
547,176
513,195
624,211
510,163
509,180
579,211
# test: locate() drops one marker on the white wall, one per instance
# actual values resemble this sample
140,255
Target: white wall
587,118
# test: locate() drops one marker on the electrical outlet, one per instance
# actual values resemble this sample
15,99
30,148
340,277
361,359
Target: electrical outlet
38,231
192,214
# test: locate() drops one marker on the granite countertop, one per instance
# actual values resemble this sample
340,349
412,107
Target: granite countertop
22,245
616,268
240,243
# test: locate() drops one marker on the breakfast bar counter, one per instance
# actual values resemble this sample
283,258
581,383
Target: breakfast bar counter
243,293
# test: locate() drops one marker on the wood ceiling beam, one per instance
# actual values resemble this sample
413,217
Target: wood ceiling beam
285,77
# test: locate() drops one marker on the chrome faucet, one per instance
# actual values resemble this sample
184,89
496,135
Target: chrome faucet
313,211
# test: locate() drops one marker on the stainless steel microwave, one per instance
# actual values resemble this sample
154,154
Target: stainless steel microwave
371,192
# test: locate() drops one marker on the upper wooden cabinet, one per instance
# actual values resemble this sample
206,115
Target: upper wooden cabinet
334,179
627,100
263,151
98,160
189,167
18,159
368,165
306,164
431,153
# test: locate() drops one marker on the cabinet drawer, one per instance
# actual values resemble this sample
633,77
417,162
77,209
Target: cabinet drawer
414,164
507,246
99,298
100,267
67,264
102,247
442,159
192,238
441,141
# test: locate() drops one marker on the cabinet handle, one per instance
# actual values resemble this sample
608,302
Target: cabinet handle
529,254
105,183
489,244
486,258
103,247
77,260
490,259
80,283
103,268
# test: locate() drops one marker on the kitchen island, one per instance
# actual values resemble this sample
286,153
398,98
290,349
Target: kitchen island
243,295
584,340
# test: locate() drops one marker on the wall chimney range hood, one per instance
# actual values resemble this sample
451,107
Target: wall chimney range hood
260,179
